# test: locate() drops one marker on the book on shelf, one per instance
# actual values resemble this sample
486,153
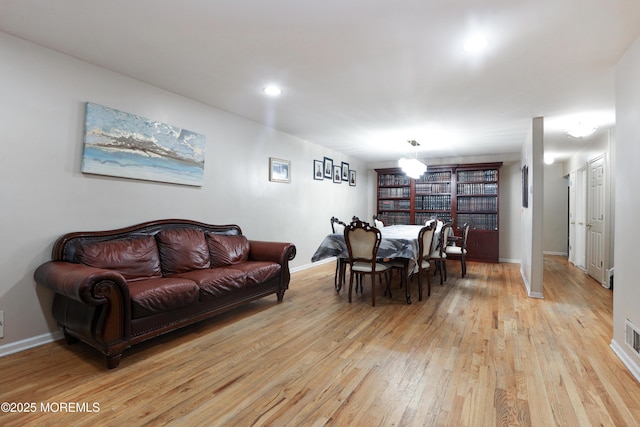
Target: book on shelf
479,221
478,175
475,204
393,179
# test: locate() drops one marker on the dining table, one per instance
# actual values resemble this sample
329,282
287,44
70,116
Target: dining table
399,242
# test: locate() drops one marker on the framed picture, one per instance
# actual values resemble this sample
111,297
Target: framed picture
125,145
279,170
525,186
328,167
345,171
317,169
337,174
352,178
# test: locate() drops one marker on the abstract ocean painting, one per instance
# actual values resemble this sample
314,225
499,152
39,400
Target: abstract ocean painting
129,146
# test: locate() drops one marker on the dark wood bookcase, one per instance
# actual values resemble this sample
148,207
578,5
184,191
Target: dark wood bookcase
458,194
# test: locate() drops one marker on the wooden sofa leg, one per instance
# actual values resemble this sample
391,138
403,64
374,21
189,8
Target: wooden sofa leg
70,339
113,361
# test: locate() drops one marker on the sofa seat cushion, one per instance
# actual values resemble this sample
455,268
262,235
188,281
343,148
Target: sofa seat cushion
214,282
135,258
227,250
258,271
160,295
182,249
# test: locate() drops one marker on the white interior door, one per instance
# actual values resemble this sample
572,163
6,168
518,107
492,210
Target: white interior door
581,218
572,217
595,222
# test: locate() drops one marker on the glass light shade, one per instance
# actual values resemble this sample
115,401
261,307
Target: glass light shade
581,130
414,168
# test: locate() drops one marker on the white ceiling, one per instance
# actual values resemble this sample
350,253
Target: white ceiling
361,76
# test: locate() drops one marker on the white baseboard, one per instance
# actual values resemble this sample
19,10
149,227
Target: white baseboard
527,285
631,364
313,264
28,343
565,254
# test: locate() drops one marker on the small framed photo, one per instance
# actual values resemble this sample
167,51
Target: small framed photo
317,169
345,171
328,167
352,178
525,186
279,170
337,174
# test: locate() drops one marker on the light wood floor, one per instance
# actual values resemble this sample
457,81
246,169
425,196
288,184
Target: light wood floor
477,352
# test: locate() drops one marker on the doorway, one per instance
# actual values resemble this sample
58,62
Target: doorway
596,219
588,219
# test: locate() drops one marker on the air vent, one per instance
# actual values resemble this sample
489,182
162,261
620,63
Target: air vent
632,336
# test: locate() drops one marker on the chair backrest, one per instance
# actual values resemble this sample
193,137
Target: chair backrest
363,241
377,222
425,241
444,236
337,226
465,233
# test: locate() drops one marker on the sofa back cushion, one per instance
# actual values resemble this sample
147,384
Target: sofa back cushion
182,249
227,250
135,258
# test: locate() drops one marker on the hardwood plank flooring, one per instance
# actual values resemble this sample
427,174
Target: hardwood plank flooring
477,352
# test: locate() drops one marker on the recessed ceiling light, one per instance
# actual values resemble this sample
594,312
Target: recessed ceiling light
548,159
475,44
272,90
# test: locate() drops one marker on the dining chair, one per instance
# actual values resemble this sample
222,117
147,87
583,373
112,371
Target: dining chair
337,227
377,222
439,254
425,241
460,251
363,242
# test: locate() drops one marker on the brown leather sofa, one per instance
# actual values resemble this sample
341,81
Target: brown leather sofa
116,288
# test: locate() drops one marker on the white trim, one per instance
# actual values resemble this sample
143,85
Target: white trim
631,364
26,344
565,254
313,264
509,260
528,287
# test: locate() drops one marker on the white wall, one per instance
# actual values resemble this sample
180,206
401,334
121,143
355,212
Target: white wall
44,194
510,212
626,293
556,211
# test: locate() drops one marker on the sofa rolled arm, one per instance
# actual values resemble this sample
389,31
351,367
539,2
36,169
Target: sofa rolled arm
80,282
279,252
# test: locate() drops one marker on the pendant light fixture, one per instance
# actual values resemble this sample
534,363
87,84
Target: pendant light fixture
413,167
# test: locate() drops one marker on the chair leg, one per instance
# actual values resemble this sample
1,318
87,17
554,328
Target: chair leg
373,289
420,286
464,265
351,285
